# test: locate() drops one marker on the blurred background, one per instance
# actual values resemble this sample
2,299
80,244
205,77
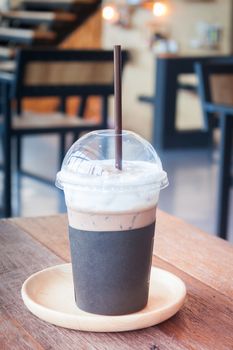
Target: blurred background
169,97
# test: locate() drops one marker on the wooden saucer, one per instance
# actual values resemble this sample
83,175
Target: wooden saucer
49,295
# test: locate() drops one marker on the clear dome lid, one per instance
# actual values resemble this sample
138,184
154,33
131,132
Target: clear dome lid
91,162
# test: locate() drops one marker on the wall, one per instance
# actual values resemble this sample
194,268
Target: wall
185,14
3,4
139,74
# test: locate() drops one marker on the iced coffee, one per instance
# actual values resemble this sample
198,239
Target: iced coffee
111,216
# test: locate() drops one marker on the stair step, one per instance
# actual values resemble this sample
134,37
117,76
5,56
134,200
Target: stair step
6,52
35,17
56,4
7,66
26,36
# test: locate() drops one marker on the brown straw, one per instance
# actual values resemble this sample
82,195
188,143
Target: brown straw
118,107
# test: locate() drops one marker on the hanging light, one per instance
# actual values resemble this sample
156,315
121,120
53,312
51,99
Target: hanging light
119,12
110,13
159,9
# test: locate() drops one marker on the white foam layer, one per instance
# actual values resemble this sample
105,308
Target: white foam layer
136,187
102,173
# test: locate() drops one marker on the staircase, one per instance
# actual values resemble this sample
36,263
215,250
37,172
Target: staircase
40,23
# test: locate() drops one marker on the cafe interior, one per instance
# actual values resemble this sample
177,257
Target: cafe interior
161,70
171,97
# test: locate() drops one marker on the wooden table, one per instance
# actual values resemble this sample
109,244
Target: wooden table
205,263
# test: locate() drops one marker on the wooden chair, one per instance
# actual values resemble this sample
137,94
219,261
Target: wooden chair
60,73
216,93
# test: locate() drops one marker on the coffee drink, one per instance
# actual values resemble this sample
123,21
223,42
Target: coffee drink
111,216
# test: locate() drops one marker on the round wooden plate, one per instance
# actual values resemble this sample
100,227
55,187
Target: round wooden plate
48,294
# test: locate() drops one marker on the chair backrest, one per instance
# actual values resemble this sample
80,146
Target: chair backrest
64,73
215,84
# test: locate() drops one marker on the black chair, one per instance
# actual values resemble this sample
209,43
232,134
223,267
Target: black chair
218,110
57,73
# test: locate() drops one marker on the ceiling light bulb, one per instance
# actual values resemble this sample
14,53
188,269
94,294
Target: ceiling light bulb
159,9
109,13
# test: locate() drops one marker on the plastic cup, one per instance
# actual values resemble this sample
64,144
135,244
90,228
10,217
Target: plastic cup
111,217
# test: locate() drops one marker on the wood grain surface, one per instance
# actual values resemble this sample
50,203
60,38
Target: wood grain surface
205,257
205,321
